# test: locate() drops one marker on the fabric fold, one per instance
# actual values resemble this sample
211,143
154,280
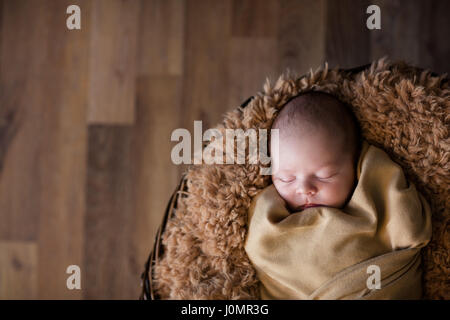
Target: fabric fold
324,253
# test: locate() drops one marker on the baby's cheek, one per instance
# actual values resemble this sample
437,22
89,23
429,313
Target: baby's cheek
335,194
284,193
281,191
343,191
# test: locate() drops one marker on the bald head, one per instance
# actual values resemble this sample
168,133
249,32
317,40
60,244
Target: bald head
319,112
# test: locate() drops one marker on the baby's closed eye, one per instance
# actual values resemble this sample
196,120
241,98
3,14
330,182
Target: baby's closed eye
286,180
326,177
322,177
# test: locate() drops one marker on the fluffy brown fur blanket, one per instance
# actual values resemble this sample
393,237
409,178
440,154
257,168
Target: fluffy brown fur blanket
400,108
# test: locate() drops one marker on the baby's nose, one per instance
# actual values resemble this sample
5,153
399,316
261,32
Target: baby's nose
306,188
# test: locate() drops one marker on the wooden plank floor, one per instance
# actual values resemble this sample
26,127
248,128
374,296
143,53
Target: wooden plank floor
86,115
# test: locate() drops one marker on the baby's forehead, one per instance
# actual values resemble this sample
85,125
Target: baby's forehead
312,151
313,136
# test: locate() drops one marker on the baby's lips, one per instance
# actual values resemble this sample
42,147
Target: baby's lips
309,205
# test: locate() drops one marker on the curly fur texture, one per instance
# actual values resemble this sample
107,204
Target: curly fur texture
400,108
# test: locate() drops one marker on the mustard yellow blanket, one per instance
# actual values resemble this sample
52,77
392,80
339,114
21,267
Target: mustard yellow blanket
370,249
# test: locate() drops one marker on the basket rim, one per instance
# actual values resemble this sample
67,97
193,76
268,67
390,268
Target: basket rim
148,291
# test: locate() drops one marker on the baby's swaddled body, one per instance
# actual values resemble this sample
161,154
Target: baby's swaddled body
336,210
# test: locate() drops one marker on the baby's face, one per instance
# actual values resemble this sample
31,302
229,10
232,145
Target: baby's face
312,170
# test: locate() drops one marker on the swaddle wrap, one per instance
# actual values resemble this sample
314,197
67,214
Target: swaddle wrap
330,253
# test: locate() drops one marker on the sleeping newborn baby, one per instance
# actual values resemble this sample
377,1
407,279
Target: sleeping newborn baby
340,220
316,160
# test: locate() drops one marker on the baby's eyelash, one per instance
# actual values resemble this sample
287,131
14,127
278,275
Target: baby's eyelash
329,177
292,179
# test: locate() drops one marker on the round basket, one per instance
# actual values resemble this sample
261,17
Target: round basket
147,287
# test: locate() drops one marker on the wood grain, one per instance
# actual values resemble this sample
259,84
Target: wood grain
257,56
254,18
18,272
301,36
112,62
434,51
206,78
400,26
347,39
109,254
19,206
63,146
154,174
86,115
161,37
44,69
